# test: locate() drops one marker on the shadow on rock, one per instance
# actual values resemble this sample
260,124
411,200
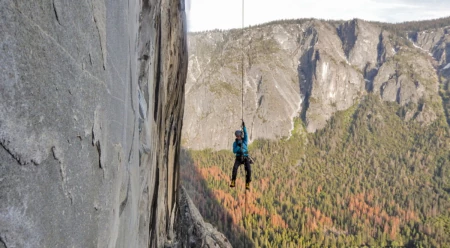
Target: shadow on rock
208,203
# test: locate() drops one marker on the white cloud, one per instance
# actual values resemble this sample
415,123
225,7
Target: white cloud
212,14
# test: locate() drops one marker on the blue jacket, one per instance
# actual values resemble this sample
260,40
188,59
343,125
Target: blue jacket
241,151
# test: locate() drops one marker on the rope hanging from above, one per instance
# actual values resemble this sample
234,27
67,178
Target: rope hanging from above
242,60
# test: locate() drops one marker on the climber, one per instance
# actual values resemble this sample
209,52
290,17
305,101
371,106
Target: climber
241,151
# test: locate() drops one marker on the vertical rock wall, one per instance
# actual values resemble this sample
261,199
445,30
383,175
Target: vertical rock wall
91,106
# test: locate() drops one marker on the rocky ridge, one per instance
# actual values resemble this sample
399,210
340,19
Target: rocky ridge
195,232
308,69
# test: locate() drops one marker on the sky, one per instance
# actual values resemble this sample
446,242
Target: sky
227,14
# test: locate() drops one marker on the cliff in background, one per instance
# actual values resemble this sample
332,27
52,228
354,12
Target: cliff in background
367,161
91,107
308,69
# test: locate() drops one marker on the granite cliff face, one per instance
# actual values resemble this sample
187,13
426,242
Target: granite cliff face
436,42
193,231
91,107
308,69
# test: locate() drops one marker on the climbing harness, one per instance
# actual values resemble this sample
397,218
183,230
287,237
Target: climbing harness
250,159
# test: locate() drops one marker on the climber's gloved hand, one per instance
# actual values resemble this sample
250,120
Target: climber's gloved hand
243,123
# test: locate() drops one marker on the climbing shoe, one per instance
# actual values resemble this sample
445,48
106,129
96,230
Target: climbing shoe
233,184
247,186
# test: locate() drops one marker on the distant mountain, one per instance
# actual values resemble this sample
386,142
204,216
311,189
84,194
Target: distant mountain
349,127
311,69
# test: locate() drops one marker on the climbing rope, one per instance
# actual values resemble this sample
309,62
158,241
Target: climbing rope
242,91
242,118
242,60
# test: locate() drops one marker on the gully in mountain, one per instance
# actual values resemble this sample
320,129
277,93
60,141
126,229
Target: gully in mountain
241,151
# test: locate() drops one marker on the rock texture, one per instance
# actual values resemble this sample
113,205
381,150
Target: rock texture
436,42
306,68
196,232
91,106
